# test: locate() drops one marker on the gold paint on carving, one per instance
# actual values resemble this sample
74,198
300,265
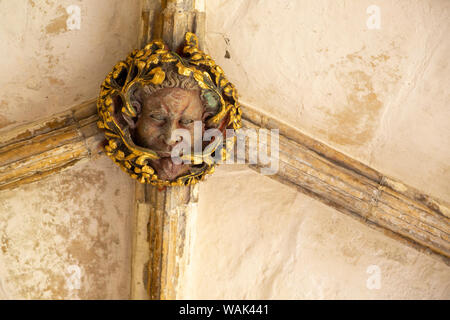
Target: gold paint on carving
144,67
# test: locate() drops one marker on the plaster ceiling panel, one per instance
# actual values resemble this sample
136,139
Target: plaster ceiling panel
68,236
48,64
413,139
318,66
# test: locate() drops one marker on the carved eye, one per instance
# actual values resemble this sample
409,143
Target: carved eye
186,121
158,117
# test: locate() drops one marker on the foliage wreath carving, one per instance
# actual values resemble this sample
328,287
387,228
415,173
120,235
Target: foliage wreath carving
146,67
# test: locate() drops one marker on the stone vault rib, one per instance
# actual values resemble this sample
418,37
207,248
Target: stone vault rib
36,150
31,152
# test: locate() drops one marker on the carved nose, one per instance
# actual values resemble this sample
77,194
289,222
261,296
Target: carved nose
167,136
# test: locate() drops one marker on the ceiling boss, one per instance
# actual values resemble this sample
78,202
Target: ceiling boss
153,94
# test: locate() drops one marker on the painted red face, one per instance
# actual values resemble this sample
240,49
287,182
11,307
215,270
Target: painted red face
163,112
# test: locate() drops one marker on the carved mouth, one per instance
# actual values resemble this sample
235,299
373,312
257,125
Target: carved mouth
168,154
165,154
167,170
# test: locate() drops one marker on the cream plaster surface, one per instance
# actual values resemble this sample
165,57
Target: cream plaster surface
68,236
45,66
379,95
259,239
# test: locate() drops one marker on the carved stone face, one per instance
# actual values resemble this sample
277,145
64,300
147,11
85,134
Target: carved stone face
154,92
162,112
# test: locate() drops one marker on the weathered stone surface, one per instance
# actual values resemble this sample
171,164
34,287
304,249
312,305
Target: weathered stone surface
376,95
46,67
44,147
165,222
68,236
74,223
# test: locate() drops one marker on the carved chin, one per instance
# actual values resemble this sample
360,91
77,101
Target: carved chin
167,170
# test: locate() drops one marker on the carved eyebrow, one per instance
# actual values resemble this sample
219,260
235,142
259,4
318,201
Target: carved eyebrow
157,108
187,106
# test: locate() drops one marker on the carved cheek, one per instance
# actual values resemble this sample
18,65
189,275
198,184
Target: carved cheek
195,114
148,131
198,137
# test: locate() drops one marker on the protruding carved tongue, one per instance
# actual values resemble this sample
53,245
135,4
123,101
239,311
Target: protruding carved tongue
167,165
170,170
